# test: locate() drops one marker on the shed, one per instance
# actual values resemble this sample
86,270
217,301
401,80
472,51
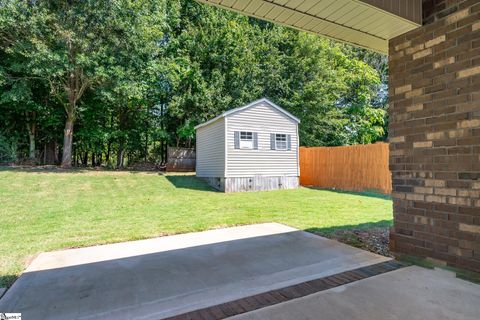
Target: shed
250,148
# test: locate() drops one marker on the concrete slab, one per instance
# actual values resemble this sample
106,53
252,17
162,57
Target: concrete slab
156,278
412,293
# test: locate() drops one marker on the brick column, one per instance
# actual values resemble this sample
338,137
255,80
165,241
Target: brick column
435,135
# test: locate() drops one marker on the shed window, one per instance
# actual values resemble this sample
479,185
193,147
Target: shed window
280,141
246,140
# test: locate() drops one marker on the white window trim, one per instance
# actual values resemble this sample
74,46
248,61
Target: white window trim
276,142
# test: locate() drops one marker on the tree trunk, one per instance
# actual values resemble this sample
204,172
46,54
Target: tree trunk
162,151
162,127
122,124
75,163
68,141
146,146
85,159
58,153
120,155
31,150
31,127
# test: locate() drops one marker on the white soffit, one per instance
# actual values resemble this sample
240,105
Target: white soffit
364,23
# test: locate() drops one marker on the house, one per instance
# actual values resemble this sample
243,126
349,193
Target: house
254,147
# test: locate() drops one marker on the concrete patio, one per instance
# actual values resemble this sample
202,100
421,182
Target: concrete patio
169,276
412,293
157,278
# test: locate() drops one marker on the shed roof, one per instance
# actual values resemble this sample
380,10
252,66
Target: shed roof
252,104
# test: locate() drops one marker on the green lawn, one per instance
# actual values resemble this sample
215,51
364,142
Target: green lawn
49,210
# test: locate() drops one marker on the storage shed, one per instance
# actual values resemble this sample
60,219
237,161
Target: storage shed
254,147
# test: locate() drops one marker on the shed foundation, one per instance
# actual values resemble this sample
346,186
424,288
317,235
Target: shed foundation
254,183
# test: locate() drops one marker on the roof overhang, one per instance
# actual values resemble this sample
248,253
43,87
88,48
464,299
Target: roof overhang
364,23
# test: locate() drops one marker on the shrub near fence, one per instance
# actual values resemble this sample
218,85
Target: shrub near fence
356,168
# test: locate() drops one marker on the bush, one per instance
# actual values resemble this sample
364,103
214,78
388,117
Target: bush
8,150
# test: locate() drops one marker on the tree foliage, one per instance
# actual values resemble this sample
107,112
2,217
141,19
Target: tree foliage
130,77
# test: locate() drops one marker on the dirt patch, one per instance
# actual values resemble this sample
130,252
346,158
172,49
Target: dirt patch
374,239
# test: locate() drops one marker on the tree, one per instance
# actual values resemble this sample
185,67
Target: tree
71,44
132,77
220,60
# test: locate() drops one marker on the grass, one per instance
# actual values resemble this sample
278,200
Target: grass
49,210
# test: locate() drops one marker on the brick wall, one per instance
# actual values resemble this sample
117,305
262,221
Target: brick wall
435,135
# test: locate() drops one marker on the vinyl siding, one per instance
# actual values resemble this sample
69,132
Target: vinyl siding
263,119
211,150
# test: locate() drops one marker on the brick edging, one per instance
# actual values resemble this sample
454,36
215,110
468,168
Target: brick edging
262,300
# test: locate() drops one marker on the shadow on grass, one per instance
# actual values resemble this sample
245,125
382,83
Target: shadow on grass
73,170
189,182
46,169
367,225
369,193
7,281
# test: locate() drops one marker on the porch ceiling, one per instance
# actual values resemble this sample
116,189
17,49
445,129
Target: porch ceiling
365,23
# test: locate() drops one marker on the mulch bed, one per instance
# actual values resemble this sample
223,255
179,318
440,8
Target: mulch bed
374,239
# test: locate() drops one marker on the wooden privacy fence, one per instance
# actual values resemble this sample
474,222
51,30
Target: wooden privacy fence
357,168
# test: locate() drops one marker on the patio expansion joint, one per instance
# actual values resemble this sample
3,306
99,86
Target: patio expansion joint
273,297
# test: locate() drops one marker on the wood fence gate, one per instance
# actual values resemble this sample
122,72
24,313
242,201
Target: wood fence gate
180,159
